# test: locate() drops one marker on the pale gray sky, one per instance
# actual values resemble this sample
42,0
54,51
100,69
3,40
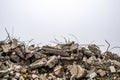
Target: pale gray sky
43,20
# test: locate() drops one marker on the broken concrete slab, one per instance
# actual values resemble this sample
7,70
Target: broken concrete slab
58,70
6,47
101,72
52,61
77,71
112,69
38,63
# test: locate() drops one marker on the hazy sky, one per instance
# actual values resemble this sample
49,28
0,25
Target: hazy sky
44,20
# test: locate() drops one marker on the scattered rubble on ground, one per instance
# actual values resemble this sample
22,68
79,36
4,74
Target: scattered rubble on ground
69,61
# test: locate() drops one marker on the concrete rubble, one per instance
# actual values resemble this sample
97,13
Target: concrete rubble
69,61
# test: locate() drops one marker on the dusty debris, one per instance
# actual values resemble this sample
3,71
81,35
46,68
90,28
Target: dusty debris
68,61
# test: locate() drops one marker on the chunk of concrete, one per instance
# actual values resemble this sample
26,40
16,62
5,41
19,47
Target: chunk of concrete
112,69
38,63
77,71
101,72
58,70
93,75
51,63
5,47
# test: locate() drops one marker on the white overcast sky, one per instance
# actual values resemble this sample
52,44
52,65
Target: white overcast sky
44,20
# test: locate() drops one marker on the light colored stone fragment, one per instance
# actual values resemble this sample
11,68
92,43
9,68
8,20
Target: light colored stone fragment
14,43
101,72
17,75
93,75
57,70
38,63
84,58
34,76
5,47
77,71
112,69
90,60
115,62
51,63
43,77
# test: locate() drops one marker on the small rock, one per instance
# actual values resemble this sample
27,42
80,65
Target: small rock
95,49
17,67
59,79
74,46
14,44
19,52
34,76
31,47
93,75
23,69
11,73
118,71
51,63
84,58
34,71
36,79
21,78
11,79
88,53
72,77
6,76
57,70
39,55
15,58
77,71
101,72
115,62
17,75
51,76
43,77
5,47
38,63
29,55
91,60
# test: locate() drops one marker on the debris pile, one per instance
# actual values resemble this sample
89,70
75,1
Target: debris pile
69,61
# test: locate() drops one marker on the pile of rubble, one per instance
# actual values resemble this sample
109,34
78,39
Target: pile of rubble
69,61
